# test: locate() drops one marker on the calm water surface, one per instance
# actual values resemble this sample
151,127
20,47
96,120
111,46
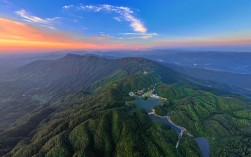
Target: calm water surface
150,103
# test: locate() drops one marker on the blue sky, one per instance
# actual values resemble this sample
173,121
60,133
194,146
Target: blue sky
170,23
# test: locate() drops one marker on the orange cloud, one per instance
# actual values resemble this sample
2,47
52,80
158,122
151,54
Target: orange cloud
17,36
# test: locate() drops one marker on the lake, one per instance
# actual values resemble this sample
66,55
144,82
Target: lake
204,146
149,103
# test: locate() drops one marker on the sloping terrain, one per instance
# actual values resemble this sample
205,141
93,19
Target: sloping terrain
36,85
74,72
102,125
76,106
224,120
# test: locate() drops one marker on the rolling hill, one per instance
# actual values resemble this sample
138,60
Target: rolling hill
76,106
33,88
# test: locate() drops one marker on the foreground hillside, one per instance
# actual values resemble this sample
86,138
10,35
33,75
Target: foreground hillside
76,106
224,120
101,124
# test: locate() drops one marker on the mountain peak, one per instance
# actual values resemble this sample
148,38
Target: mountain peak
70,55
85,56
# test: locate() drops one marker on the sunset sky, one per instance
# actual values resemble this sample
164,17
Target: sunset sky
38,25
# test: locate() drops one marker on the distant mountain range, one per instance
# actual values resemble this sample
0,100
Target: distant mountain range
240,82
234,62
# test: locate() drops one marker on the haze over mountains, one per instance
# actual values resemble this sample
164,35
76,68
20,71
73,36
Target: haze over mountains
235,62
56,74
211,66
73,72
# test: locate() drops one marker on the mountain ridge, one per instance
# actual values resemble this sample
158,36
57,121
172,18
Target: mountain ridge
73,71
95,118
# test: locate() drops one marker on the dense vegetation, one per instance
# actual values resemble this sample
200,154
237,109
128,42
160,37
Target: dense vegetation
76,106
102,125
224,120
38,84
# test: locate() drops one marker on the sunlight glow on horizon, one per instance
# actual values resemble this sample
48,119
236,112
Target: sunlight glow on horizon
19,36
124,25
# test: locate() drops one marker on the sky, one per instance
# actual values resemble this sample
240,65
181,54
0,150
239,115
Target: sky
35,25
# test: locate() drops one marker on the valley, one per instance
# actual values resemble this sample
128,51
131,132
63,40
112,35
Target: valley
90,112
148,101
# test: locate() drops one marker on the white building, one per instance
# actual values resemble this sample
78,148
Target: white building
131,94
155,96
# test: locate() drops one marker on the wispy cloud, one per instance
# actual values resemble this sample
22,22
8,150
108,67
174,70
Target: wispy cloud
124,14
7,2
68,6
45,22
117,19
137,35
5,5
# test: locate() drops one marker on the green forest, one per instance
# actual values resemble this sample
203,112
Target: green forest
224,119
95,120
100,124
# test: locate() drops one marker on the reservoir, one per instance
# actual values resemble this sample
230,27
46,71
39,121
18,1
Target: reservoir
204,146
149,103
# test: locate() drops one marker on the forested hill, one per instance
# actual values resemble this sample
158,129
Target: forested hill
74,72
90,124
77,106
